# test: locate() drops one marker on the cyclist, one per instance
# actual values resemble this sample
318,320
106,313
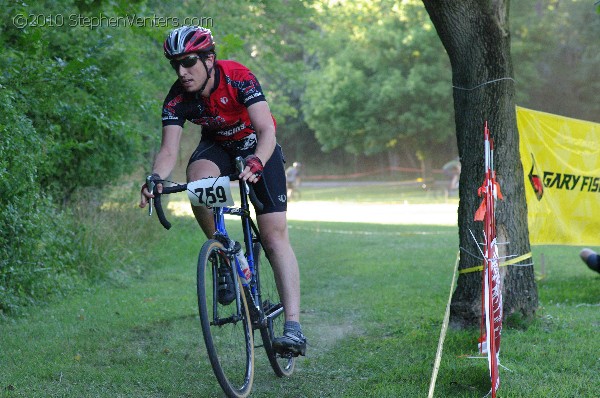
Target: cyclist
452,172
226,99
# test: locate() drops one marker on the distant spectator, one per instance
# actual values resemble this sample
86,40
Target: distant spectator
452,172
293,175
591,258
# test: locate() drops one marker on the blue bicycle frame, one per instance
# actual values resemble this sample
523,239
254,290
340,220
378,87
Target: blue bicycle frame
248,229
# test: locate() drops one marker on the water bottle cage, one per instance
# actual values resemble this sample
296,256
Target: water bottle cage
236,246
223,240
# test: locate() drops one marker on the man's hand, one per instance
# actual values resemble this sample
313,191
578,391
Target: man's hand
145,194
253,170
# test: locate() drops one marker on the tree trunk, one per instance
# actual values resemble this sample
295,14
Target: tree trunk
476,37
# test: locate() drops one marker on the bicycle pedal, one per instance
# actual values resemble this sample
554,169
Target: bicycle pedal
283,353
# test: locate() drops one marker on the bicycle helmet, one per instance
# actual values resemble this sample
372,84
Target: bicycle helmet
189,39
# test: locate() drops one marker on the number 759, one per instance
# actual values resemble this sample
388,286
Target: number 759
211,195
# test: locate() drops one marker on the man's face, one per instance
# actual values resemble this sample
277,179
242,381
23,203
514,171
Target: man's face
193,77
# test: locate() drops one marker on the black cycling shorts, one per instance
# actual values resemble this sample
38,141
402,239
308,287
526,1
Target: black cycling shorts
270,189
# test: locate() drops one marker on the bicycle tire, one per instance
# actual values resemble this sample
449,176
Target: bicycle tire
227,332
283,366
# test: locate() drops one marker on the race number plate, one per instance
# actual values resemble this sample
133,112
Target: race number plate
213,192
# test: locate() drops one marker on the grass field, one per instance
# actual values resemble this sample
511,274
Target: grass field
373,303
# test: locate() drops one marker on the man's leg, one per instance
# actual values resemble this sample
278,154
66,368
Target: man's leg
274,234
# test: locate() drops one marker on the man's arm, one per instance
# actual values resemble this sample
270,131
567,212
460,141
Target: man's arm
260,116
165,159
167,155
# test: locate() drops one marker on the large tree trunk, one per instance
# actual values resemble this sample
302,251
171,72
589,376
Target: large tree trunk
476,37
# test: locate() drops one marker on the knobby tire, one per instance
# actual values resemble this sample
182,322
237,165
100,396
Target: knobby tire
230,346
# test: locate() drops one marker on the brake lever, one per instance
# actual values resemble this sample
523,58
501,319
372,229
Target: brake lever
150,184
239,161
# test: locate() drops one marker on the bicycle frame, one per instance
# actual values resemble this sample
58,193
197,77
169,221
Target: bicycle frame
247,226
251,234
249,229
248,306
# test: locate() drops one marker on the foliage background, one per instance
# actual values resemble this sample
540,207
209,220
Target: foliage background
354,86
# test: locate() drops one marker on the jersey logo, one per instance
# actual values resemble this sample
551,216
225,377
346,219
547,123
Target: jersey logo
224,100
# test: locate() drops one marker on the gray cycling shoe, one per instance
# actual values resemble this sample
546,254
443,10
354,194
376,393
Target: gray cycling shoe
292,342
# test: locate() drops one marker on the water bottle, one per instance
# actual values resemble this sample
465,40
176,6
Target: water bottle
239,254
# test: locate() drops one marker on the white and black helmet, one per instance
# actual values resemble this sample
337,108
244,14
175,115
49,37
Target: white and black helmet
189,39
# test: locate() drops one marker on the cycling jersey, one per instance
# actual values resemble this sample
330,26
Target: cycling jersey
227,131
223,115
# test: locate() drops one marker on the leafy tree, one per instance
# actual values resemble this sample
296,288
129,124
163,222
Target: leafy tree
385,88
34,238
70,105
82,96
555,62
476,36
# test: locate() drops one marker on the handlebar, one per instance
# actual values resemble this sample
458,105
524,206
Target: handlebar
158,205
249,189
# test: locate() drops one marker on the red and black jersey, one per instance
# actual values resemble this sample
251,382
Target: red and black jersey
223,115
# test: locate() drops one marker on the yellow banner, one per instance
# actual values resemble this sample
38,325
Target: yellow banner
561,162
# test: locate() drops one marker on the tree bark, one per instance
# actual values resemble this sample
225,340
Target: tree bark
475,34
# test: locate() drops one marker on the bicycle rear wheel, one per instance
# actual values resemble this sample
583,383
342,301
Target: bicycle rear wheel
273,308
226,326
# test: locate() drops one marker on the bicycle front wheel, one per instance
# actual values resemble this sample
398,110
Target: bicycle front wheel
274,314
225,322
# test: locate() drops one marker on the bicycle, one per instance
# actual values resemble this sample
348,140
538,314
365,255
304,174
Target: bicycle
230,315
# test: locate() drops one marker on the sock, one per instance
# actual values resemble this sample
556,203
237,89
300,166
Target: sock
292,326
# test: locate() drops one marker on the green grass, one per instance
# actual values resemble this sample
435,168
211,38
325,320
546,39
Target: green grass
373,302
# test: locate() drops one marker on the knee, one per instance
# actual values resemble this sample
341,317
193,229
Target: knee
274,238
202,168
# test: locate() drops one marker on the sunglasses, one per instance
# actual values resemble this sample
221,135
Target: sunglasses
186,62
